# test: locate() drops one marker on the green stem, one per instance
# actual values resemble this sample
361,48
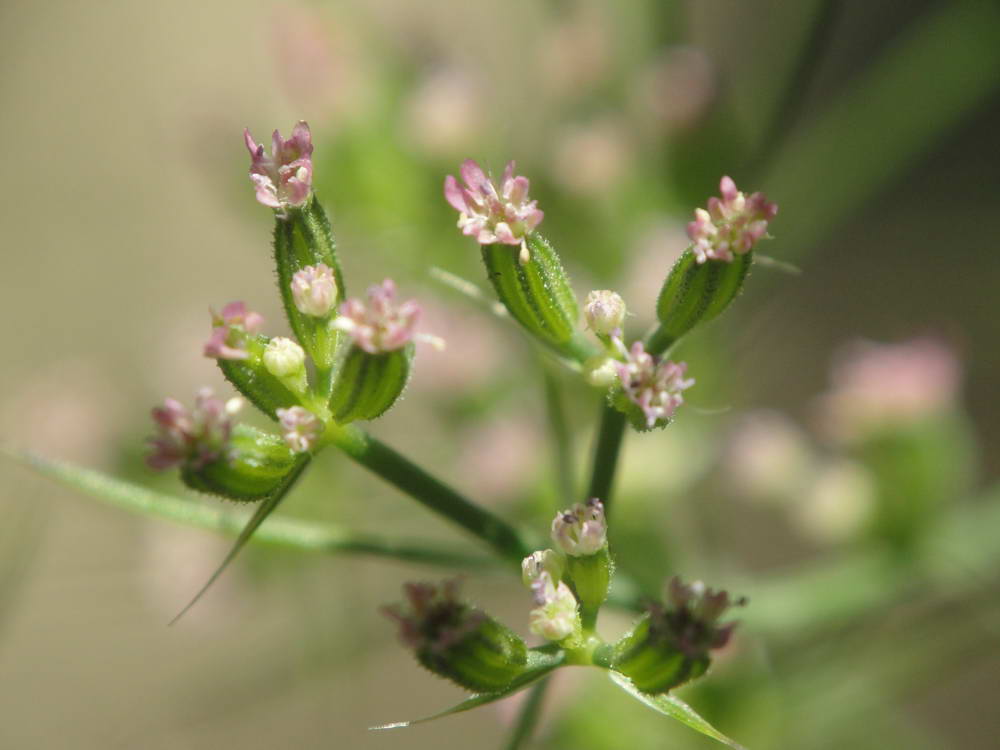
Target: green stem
561,439
427,490
609,442
530,711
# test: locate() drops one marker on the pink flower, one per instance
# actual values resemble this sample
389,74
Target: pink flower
380,326
651,383
314,290
230,331
284,178
885,386
192,439
300,427
490,215
731,225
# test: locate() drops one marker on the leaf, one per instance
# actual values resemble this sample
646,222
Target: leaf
540,663
675,708
284,532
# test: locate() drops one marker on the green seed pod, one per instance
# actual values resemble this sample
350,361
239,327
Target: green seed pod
671,644
254,464
536,292
250,377
303,244
455,640
368,384
695,293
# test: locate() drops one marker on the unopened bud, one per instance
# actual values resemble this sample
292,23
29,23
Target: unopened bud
604,311
286,360
601,371
314,290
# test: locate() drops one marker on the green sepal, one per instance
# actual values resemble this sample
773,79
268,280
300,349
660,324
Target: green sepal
541,661
619,401
368,384
536,293
654,663
589,577
486,660
256,465
695,293
249,376
301,239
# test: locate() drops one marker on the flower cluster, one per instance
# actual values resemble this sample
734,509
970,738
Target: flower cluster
283,179
231,330
300,428
490,215
730,226
555,616
582,530
604,312
434,617
381,326
314,290
653,384
690,617
192,439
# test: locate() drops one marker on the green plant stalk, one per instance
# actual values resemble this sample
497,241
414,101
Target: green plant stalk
561,439
433,494
606,451
528,718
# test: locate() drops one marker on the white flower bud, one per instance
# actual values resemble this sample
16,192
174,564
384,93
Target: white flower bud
600,371
604,311
284,358
556,616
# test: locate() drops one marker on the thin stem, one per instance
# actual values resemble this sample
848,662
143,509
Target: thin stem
792,98
428,490
562,442
530,711
609,442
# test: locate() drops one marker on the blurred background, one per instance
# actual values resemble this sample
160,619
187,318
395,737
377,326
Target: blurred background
836,462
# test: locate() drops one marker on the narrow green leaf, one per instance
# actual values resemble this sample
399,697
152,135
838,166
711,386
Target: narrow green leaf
540,663
675,708
285,532
263,511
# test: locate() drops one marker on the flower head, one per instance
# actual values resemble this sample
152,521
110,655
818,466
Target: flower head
195,438
230,331
314,290
604,311
581,530
434,617
547,561
284,178
731,225
381,326
651,383
555,615
690,617
490,215
300,428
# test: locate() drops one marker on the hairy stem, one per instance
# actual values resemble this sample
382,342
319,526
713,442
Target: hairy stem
428,490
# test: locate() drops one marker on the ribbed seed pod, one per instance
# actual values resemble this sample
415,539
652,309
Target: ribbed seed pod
695,293
536,293
484,661
255,464
301,239
655,664
368,384
250,377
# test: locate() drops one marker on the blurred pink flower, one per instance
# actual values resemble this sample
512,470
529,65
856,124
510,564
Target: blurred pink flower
300,428
230,331
731,225
314,290
506,216
381,326
885,385
284,178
